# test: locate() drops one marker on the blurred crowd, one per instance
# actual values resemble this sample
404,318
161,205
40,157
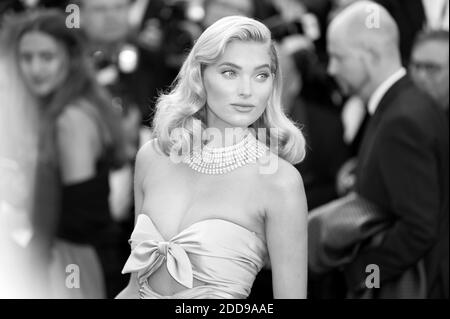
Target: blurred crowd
78,83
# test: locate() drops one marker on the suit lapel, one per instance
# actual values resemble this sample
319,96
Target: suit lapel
375,120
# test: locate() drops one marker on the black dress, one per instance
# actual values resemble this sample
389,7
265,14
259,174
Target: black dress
85,223
88,253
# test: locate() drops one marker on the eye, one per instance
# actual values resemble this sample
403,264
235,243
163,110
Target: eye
229,74
26,57
47,56
261,77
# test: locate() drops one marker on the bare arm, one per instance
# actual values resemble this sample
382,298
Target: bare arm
286,233
78,144
141,168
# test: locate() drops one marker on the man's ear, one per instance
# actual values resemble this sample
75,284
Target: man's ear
369,55
374,55
373,50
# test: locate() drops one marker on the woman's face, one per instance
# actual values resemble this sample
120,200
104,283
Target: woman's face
43,63
238,86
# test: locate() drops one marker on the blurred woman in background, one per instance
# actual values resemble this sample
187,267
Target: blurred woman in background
19,243
81,139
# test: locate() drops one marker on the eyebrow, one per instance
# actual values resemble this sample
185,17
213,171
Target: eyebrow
39,52
240,68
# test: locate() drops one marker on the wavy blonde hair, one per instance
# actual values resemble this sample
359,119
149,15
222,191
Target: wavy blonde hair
186,101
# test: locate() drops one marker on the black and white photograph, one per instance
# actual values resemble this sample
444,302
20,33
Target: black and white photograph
254,150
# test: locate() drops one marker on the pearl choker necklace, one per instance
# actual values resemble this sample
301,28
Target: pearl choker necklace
222,160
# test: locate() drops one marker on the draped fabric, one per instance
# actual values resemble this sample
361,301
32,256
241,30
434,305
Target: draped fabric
223,255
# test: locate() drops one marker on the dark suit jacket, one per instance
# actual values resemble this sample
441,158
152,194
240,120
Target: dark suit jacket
404,169
326,150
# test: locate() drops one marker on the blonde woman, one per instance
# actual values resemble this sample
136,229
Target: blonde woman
216,193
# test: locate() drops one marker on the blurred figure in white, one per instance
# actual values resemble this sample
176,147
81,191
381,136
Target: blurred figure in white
22,267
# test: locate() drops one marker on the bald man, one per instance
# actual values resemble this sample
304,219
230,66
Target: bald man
404,157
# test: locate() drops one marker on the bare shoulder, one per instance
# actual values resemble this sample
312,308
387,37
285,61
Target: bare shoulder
279,175
78,143
150,151
77,132
148,157
283,187
76,121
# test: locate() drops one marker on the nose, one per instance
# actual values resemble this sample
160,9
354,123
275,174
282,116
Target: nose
36,66
419,74
245,88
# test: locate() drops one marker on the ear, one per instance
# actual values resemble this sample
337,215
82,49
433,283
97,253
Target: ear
369,56
372,52
374,55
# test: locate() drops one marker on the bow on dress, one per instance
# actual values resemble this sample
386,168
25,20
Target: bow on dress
148,254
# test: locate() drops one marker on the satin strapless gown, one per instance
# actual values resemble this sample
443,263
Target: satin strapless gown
224,255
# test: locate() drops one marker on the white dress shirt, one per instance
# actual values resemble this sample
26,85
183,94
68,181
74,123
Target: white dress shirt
381,90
